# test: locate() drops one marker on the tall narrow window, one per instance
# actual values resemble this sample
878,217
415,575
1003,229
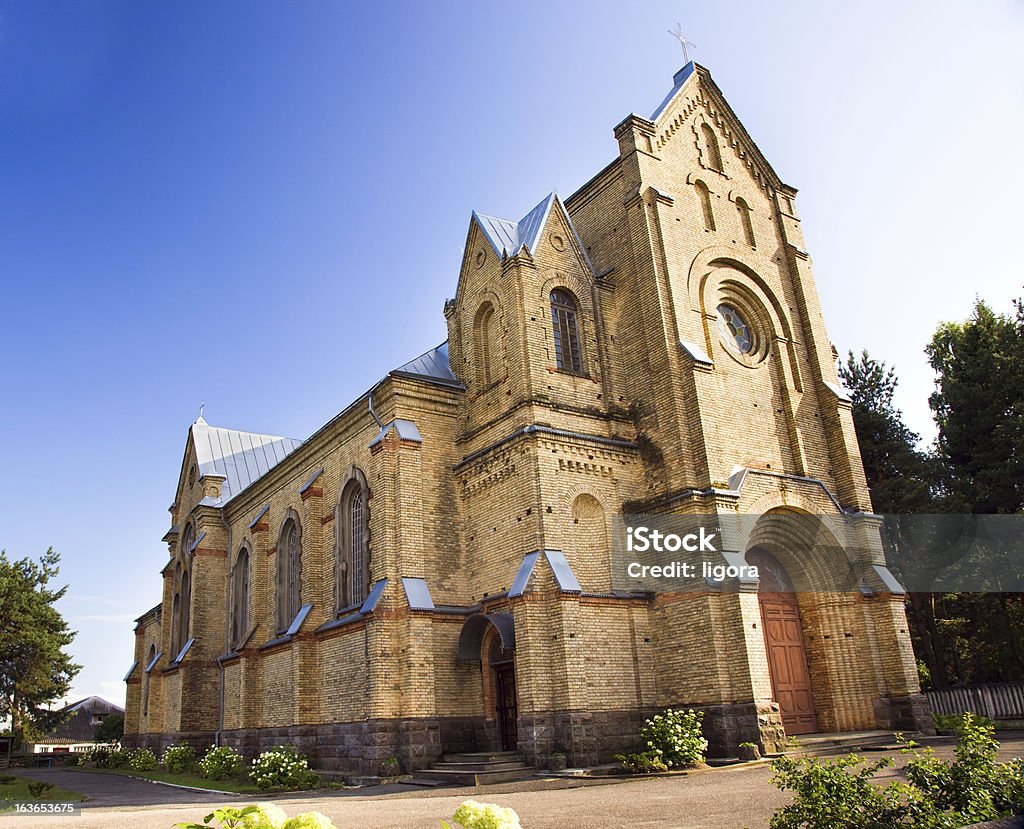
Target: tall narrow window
352,568
176,611
714,154
150,656
567,337
748,228
485,345
240,597
357,522
289,566
705,204
186,604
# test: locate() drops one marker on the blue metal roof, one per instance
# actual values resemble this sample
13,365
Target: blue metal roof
418,594
239,457
508,238
563,572
433,365
406,431
680,77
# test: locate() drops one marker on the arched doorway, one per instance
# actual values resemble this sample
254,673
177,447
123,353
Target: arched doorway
784,643
490,639
502,669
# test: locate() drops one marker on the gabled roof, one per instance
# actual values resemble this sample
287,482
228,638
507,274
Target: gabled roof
678,79
94,704
682,78
507,237
432,365
239,457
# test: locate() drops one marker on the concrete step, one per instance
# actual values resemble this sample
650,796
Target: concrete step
482,757
510,765
470,778
824,745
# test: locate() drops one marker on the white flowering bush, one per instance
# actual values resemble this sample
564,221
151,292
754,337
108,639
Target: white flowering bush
260,816
474,815
142,759
282,768
676,738
221,762
470,815
179,759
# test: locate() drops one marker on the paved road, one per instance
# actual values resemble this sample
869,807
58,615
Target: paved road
105,790
732,798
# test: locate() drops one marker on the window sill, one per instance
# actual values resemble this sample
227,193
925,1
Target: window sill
342,622
580,375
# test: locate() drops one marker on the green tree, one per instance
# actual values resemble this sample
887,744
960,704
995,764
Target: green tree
900,476
35,670
902,480
110,729
978,405
979,409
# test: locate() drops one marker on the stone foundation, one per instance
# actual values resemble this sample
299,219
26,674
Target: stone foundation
358,747
587,738
906,713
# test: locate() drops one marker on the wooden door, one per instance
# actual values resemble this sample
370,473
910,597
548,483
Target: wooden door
505,706
787,662
784,642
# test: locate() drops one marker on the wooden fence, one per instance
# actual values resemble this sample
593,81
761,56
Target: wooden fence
1002,701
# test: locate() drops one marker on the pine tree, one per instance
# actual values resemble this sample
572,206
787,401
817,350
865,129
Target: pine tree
35,670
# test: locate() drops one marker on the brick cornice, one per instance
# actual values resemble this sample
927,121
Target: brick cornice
209,552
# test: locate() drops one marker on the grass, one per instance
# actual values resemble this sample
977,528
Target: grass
193,780
18,790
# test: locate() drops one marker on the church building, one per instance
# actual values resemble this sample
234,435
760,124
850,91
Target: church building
432,572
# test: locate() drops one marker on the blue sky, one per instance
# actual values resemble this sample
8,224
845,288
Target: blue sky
262,206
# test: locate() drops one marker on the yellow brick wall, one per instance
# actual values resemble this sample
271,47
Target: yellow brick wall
538,458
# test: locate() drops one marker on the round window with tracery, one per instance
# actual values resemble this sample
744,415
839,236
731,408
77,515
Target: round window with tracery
734,329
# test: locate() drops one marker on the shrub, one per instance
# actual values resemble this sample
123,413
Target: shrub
6,779
260,816
474,815
39,789
221,762
954,723
675,736
390,767
142,760
282,768
98,757
94,757
938,794
647,762
179,759
118,759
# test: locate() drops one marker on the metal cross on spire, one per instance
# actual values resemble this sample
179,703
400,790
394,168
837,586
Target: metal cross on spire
683,41
202,405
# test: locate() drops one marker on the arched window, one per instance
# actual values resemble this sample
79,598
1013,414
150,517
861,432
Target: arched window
150,656
705,204
240,597
748,228
486,345
352,556
289,571
181,606
714,154
567,338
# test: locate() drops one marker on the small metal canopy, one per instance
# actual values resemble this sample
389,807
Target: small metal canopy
472,635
